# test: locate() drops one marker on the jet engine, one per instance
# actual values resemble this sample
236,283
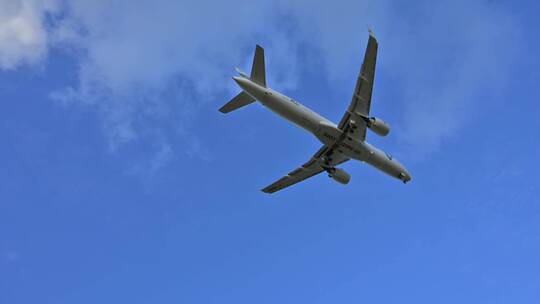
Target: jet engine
339,175
378,126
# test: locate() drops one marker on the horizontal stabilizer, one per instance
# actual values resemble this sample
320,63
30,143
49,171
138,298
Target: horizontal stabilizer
240,100
239,71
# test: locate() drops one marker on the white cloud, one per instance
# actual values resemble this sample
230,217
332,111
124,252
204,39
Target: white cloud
23,37
135,55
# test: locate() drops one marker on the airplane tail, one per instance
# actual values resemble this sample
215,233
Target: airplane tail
258,75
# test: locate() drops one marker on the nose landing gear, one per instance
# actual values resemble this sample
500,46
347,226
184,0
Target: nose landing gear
403,177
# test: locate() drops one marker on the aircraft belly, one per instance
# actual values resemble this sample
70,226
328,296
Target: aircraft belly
381,161
327,133
294,113
353,149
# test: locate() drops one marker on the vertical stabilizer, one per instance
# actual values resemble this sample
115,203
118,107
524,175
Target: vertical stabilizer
258,73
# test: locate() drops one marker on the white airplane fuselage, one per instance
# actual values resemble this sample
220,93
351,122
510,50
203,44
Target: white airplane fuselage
323,129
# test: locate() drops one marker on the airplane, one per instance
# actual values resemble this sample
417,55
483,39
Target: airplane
341,142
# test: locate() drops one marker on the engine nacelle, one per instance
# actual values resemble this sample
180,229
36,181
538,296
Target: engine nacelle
378,126
339,175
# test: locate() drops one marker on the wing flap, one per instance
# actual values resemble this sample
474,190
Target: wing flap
307,170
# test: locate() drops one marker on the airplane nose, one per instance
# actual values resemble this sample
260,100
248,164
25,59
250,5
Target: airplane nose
405,176
408,177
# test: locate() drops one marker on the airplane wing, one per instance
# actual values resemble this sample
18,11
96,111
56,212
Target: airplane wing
309,169
361,99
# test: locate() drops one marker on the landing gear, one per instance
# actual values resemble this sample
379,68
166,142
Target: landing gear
326,160
352,127
403,177
330,171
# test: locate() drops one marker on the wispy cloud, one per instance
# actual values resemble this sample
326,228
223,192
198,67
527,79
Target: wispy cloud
140,60
144,64
447,58
456,62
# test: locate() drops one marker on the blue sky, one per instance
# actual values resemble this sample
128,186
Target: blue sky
121,182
